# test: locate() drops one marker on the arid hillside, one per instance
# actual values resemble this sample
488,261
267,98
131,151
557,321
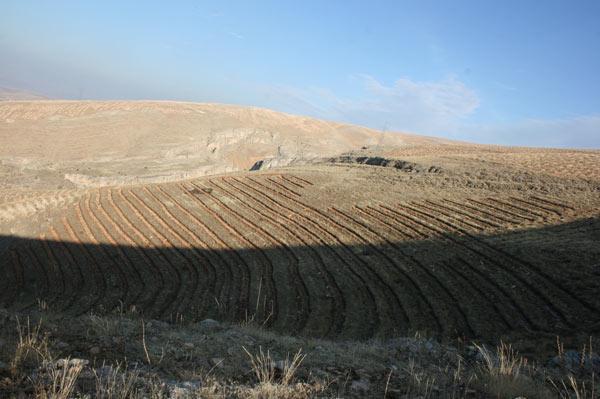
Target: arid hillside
183,239
69,144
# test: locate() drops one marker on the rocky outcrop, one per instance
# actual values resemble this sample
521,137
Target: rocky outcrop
404,166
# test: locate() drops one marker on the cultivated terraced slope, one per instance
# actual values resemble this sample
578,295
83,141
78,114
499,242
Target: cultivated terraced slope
329,250
566,163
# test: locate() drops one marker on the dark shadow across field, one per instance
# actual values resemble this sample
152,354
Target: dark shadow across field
537,281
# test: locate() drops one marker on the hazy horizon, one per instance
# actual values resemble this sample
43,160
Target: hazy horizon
513,73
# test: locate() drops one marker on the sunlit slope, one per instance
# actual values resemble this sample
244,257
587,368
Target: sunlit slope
96,143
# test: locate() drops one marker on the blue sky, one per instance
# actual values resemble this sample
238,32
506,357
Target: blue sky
507,72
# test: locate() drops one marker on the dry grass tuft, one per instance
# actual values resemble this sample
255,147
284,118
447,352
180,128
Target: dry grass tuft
504,373
105,326
61,379
115,382
279,391
275,379
262,365
266,369
290,367
505,362
31,349
574,389
421,383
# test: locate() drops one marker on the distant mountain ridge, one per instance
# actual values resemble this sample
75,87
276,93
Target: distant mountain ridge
11,94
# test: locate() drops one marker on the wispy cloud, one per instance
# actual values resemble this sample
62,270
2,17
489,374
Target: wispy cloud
236,35
405,105
504,86
442,108
446,99
574,132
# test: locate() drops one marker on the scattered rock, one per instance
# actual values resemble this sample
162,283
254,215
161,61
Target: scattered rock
128,326
429,346
234,350
239,338
572,360
104,371
60,363
399,164
87,374
471,351
361,385
185,389
62,345
209,324
320,373
592,362
157,325
95,350
269,163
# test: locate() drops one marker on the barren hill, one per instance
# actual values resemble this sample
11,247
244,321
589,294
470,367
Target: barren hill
74,143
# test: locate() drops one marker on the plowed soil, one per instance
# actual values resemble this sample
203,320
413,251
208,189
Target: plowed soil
474,248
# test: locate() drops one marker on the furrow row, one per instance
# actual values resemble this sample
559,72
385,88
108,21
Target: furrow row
334,265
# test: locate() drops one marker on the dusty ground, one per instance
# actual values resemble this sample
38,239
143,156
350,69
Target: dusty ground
354,236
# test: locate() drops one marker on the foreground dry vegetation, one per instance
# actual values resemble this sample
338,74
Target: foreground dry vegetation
124,356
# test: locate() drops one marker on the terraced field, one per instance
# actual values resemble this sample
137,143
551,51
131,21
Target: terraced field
361,235
16,203
285,250
564,163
